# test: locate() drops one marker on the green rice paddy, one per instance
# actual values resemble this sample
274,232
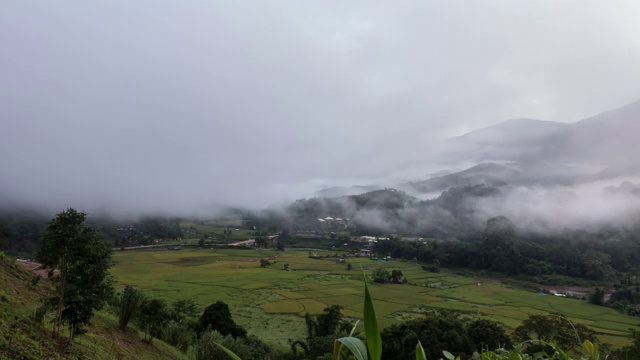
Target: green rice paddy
271,302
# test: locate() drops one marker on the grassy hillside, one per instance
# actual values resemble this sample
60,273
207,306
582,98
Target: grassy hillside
22,338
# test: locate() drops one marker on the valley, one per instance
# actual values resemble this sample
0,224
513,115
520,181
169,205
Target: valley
271,302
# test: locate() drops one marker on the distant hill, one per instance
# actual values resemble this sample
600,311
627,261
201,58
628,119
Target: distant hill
338,191
608,139
531,152
492,174
496,174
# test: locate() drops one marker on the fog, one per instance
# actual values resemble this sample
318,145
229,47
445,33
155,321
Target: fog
185,108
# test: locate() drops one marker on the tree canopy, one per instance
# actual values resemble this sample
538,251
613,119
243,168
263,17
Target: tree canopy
83,259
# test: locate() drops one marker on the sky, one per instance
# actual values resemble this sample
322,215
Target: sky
143,106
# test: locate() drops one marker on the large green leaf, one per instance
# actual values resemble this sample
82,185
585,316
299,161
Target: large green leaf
228,352
371,330
355,345
420,355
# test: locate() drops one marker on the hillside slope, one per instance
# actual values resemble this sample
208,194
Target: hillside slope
23,338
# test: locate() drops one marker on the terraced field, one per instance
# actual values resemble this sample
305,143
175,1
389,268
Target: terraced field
270,302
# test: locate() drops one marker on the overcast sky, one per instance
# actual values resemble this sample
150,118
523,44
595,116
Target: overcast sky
183,106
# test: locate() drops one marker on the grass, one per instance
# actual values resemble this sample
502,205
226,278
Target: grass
22,338
269,302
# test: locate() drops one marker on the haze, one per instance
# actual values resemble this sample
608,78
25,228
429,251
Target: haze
186,107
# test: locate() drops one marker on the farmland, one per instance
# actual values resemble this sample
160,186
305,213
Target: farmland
269,302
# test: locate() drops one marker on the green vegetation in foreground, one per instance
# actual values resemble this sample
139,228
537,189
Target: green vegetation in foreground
269,302
23,338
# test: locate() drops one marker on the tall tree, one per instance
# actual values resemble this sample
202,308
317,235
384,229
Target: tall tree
83,260
130,302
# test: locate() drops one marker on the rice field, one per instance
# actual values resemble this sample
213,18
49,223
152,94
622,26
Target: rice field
271,302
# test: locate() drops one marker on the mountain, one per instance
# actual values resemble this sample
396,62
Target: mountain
524,173
532,152
338,191
492,174
605,140
512,140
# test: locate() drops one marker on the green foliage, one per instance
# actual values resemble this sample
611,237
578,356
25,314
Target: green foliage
183,310
83,259
397,276
357,347
631,351
381,275
435,332
213,345
596,265
130,302
40,313
151,317
487,334
420,354
217,317
321,332
35,279
553,328
597,298
177,334
371,330
264,263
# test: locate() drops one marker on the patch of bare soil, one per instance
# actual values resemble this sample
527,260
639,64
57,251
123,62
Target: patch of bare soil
37,269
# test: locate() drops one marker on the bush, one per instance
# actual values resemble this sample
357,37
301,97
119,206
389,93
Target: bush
178,335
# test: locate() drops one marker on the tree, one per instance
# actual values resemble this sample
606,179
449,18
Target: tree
436,333
381,275
630,351
261,241
321,331
264,263
83,259
182,310
596,265
286,267
487,334
499,231
130,302
597,298
553,327
396,276
217,317
151,317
